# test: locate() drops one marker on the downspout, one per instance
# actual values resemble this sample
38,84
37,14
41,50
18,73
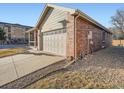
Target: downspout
75,50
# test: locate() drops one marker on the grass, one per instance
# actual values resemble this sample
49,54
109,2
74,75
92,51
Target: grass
12,51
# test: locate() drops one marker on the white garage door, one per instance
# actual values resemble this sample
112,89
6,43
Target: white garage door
55,42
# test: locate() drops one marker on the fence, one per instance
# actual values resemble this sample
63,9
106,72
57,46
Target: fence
118,42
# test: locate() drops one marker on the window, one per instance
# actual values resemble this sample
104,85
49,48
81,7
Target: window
9,36
31,36
41,30
90,35
103,35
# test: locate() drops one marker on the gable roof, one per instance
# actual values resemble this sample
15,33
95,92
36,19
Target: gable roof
85,16
51,6
72,11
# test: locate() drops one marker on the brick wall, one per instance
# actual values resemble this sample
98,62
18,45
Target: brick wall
83,28
70,36
81,36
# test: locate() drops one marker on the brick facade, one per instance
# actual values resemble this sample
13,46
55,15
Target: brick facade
78,27
81,37
82,44
70,36
83,27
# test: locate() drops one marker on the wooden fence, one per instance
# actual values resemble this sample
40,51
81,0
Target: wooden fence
118,42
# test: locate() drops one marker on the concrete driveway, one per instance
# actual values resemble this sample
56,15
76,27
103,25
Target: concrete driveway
16,66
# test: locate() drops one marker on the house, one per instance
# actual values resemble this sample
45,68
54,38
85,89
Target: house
68,32
15,32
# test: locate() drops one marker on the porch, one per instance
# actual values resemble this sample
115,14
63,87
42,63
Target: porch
33,38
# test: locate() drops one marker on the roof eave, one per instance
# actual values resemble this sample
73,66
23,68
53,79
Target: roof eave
42,16
85,16
72,11
30,30
51,6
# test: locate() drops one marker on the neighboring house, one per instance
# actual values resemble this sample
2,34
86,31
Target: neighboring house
15,31
68,32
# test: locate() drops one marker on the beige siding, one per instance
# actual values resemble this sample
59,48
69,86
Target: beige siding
53,19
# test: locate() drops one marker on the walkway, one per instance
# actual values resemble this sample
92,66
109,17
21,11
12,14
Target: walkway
16,66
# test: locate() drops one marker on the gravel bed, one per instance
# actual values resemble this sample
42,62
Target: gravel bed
34,76
111,58
104,65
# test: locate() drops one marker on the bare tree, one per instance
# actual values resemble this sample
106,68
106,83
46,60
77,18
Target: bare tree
118,20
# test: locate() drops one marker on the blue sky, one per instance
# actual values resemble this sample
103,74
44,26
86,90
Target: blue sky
28,14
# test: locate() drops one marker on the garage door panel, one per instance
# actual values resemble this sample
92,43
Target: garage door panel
55,43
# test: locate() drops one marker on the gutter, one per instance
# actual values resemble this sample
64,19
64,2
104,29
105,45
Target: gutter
30,30
85,16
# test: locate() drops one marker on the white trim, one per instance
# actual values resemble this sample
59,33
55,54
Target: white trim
47,7
30,30
72,11
92,20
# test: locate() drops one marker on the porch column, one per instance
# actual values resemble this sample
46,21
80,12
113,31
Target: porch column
29,39
39,39
35,39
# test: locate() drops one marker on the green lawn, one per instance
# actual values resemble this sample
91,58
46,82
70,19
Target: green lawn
12,51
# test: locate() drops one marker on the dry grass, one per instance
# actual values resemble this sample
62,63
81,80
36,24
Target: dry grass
12,51
103,69
74,79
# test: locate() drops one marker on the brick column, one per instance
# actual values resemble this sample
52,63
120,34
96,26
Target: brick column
70,36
